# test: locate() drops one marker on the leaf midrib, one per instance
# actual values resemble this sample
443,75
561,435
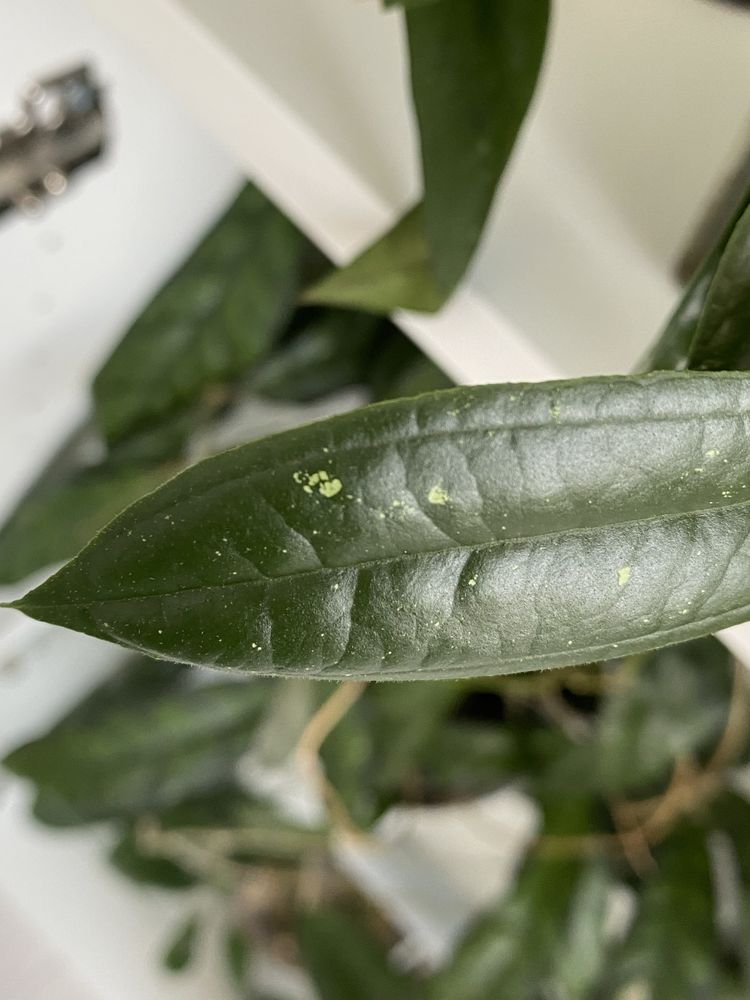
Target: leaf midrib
388,560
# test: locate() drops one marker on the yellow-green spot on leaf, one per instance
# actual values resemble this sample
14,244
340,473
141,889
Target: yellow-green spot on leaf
712,453
473,581
438,495
322,480
623,575
330,487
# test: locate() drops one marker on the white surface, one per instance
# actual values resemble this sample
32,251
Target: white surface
61,903
71,927
29,965
434,868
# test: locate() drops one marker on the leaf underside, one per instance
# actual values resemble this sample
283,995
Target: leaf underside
479,530
392,273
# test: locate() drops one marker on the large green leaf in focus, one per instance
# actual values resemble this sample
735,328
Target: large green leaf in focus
474,67
143,755
477,530
392,273
221,311
345,960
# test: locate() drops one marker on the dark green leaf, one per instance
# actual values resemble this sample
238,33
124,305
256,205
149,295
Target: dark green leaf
147,755
408,724
478,530
346,961
226,807
51,525
400,742
147,869
722,339
179,954
51,809
350,755
167,439
466,759
585,946
674,348
729,818
400,369
670,704
421,376
238,956
671,953
221,311
331,352
474,66
408,3
392,273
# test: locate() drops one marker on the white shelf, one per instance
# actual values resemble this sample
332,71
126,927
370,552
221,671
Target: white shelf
640,112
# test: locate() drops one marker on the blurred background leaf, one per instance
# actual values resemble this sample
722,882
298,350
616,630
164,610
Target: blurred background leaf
225,307
179,954
345,960
110,759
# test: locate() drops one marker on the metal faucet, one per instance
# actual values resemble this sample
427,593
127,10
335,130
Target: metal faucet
61,126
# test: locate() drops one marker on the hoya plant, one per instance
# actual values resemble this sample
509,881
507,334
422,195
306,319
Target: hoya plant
461,541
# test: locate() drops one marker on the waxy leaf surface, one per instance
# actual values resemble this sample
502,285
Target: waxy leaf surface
479,530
